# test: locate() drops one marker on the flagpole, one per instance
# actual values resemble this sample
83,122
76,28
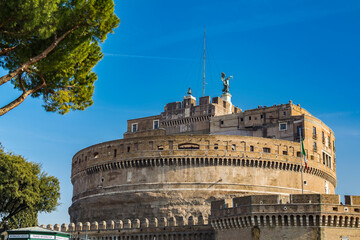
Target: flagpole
301,157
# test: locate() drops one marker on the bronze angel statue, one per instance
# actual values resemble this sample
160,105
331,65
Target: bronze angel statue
225,82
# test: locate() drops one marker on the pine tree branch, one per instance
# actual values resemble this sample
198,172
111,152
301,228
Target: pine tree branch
6,50
37,58
22,97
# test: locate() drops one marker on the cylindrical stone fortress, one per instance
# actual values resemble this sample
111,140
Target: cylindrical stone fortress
179,175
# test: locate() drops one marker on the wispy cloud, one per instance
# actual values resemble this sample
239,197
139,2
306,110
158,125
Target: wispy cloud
337,114
147,57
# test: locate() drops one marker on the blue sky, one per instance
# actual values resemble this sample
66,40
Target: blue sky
304,51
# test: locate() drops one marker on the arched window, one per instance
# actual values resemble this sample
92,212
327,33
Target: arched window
188,146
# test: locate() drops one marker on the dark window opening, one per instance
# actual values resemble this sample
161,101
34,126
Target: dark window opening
299,130
282,126
134,127
216,146
251,148
115,152
156,124
285,153
160,147
266,150
128,149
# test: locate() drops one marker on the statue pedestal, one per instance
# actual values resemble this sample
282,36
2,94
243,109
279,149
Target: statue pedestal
227,98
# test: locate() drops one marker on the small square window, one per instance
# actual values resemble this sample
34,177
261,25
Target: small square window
155,124
221,122
255,118
335,209
241,119
266,150
134,127
285,153
282,126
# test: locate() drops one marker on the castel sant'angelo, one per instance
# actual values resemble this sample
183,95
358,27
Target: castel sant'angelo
205,169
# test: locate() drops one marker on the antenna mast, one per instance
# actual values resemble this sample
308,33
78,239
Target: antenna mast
204,67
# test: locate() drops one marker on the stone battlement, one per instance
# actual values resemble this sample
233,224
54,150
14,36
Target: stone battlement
279,210
129,224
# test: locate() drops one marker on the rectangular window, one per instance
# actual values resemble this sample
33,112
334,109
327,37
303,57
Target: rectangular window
299,130
282,126
241,119
261,116
266,150
233,147
151,145
323,137
298,154
314,132
171,145
285,153
155,124
315,147
251,148
216,146
134,127
284,113
249,117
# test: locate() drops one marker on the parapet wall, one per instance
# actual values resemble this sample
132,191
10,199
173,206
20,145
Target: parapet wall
276,210
128,224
